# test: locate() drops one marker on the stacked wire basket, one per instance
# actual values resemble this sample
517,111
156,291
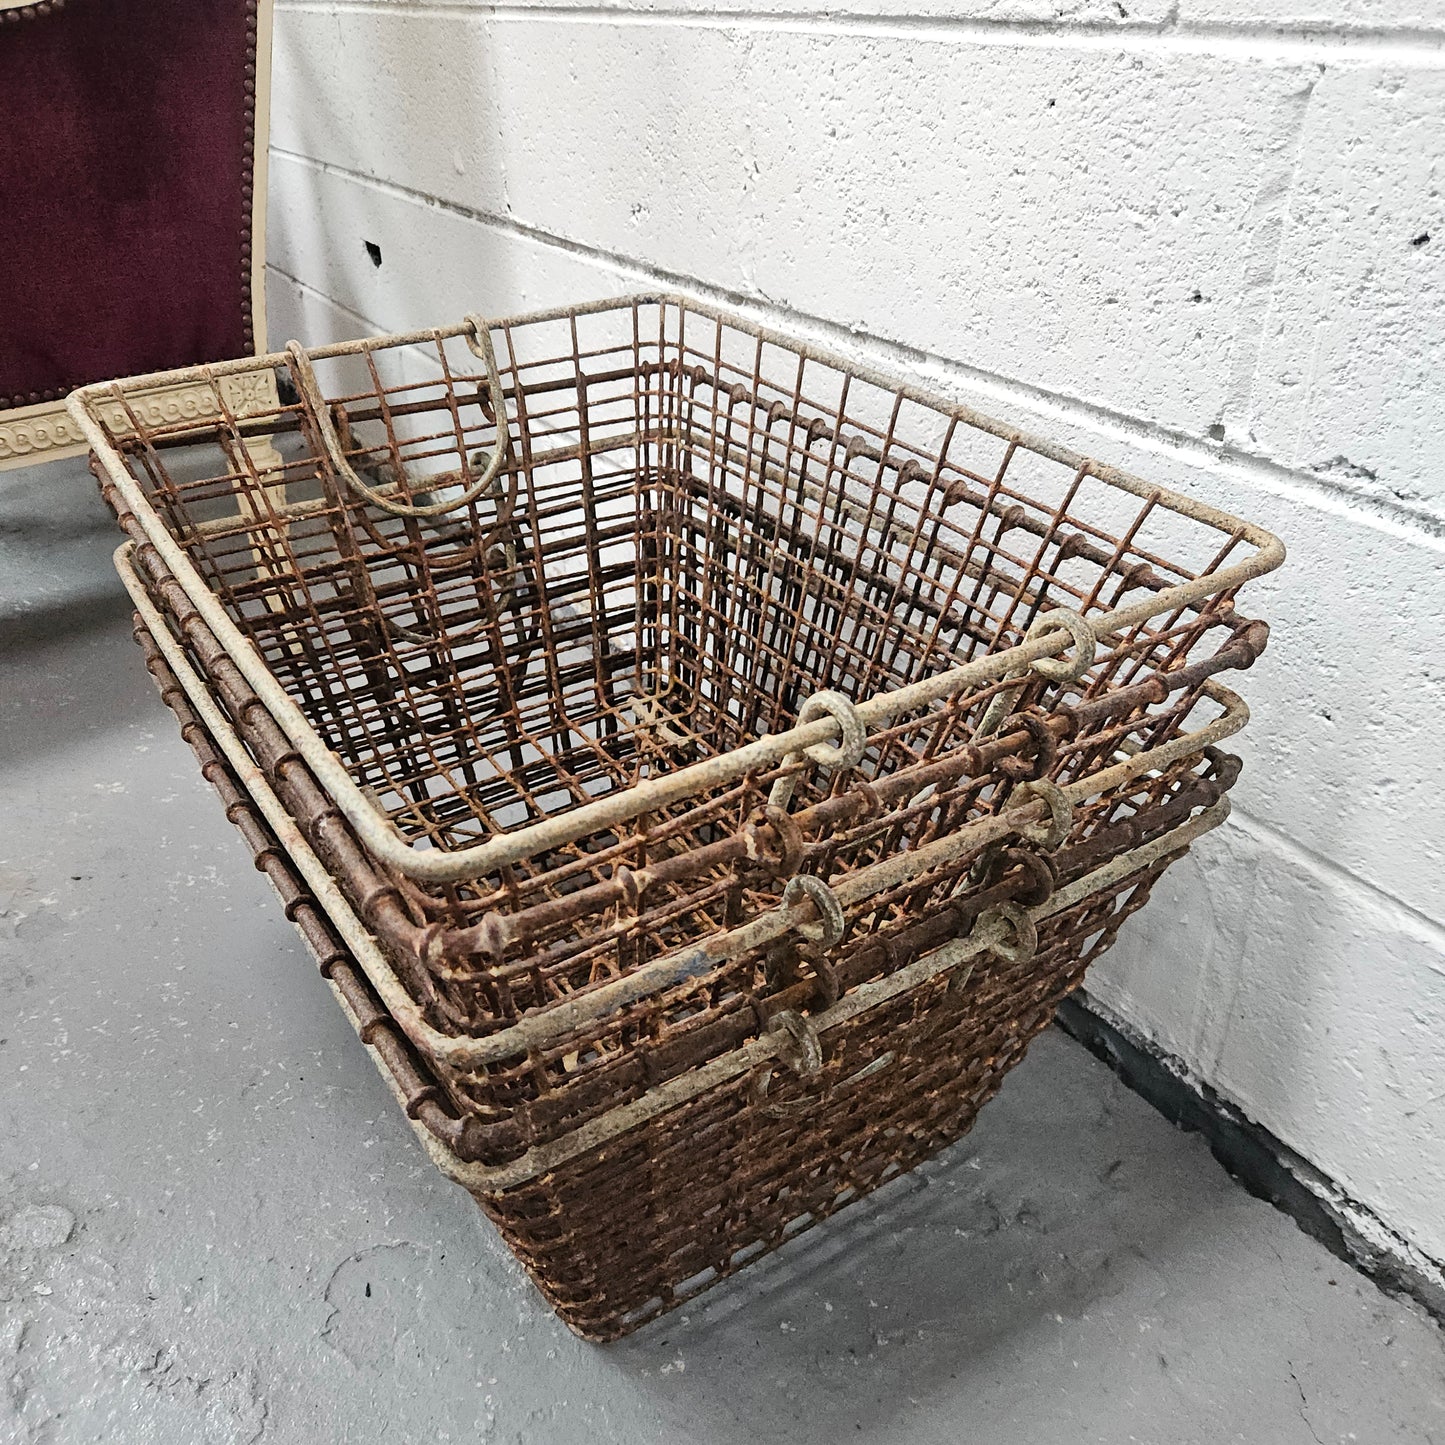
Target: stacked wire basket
699,764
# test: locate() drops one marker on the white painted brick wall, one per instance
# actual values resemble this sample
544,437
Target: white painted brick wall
1182,235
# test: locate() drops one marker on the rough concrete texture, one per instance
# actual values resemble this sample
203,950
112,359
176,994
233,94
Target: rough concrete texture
1201,240
1023,246
1340,349
216,1226
1192,238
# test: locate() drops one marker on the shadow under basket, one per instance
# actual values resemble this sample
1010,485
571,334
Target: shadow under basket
717,757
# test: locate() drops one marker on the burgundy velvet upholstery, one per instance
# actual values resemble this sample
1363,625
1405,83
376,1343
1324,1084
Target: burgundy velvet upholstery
125,190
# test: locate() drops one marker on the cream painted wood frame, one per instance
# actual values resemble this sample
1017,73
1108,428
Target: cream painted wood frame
31,434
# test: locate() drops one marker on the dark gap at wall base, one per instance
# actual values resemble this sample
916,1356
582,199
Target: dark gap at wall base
1267,1167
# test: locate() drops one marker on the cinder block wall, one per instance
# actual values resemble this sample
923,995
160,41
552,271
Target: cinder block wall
1201,239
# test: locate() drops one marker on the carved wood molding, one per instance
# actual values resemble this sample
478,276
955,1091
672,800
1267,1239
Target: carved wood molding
45,432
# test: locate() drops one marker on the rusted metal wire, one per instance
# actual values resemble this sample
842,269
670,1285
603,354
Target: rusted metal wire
662,704
624,1254
554,1034
673,451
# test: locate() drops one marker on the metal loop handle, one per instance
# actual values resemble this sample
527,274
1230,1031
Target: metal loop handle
804,1057
1025,941
829,928
304,375
1041,866
807,1054
1085,643
848,751
783,862
1061,812
1080,630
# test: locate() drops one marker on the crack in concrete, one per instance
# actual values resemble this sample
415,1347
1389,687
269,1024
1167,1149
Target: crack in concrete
1304,1407
1267,222
329,1333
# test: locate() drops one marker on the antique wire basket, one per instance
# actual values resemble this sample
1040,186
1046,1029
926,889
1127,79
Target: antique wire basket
645,686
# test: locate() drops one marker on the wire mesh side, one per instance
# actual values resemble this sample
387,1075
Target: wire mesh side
683,547
622,1234
606,1061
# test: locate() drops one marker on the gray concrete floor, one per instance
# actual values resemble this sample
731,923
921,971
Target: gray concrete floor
215,1225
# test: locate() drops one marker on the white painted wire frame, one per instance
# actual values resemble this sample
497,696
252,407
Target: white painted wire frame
433,865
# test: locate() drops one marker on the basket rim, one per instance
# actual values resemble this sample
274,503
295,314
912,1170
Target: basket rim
673,1093
539,1029
438,865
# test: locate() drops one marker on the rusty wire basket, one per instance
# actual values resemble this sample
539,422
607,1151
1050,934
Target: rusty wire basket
545,672
619,1223
636,690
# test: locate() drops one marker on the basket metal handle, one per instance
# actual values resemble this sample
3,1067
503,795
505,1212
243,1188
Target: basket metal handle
479,340
1085,641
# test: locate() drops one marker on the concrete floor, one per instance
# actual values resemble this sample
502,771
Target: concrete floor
215,1226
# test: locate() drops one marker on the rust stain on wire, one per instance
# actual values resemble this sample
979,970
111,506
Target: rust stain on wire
620,691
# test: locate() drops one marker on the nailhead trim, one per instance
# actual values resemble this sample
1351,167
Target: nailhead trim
32,12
